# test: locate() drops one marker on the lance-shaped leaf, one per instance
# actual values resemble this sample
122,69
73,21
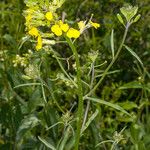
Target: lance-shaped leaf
134,54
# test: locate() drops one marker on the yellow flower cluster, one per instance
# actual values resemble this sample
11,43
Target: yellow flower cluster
60,27
33,31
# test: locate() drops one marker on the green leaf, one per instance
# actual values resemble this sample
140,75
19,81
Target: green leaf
112,43
65,139
27,124
47,144
115,106
132,85
128,105
133,54
90,120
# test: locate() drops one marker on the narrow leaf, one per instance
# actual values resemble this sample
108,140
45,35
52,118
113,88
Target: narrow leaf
132,85
112,43
65,139
90,120
46,143
115,106
134,54
26,84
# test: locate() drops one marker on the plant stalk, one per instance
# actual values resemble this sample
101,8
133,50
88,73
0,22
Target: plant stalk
80,93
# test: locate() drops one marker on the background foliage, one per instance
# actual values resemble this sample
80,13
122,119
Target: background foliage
25,117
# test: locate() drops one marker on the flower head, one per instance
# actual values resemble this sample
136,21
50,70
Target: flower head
73,33
34,32
95,25
49,16
56,30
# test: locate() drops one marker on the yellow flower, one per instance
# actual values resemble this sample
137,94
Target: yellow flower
64,27
34,32
95,25
39,43
56,30
73,33
81,25
49,16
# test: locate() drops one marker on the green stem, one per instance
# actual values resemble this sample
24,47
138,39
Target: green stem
80,94
111,63
88,103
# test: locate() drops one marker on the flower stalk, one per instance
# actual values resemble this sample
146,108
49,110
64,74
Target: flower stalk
80,93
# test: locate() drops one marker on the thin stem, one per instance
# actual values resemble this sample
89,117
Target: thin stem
88,103
80,94
111,63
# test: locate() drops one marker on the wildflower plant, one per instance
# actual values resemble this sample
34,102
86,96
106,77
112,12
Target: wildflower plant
46,29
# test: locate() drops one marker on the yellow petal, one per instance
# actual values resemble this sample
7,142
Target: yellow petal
39,43
64,27
56,30
49,16
73,33
95,25
34,32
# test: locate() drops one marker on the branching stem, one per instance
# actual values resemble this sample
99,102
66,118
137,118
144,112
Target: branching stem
111,63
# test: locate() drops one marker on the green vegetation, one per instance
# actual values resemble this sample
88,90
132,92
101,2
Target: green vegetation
74,74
